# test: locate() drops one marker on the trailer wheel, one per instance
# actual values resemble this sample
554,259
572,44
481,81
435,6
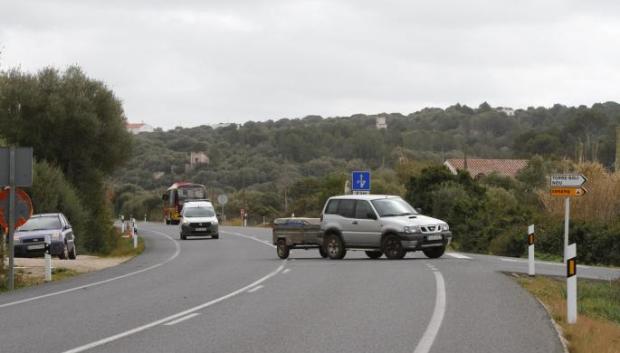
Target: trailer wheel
282,249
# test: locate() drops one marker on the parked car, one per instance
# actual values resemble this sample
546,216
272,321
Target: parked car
296,233
198,218
380,224
30,237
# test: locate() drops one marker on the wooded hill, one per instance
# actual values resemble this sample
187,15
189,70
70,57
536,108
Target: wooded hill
273,154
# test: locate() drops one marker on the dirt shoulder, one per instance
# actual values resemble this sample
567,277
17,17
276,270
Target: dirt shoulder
84,263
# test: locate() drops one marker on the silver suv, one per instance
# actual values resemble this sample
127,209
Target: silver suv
380,224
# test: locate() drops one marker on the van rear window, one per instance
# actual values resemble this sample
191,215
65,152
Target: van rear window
332,207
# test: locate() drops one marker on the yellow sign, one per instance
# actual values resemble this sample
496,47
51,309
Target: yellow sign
568,192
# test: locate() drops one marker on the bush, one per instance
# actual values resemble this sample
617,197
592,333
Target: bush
51,192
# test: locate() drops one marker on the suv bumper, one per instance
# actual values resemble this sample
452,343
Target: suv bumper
419,241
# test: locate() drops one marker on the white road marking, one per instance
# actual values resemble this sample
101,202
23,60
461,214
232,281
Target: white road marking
287,271
181,319
432,329
510,260
458,256
255,289
174,316
176,253
250,237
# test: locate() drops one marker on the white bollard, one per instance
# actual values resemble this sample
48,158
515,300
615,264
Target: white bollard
571,284
530,251
133,233
48,259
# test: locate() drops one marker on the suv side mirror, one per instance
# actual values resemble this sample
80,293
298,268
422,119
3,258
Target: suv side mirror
418,210
371,215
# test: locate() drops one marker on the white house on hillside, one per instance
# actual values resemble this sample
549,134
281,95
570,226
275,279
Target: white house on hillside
136,128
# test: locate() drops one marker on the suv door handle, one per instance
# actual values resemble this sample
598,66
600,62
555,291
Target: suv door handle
354,222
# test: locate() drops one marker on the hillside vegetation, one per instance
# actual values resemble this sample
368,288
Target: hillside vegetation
277,168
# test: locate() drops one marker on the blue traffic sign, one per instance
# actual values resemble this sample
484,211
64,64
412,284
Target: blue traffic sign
360,181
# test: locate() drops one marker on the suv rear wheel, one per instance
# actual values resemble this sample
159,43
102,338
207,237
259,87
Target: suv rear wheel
392,247
322,252
334,247
434,253
374,254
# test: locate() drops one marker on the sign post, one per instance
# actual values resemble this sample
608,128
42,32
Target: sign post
571,284
567,186
223,200
530,250
360,182
15,170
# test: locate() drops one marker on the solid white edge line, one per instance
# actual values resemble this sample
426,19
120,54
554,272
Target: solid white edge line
181,319
255,289
286,271
176,253
264,242
458,255
174,316
432,329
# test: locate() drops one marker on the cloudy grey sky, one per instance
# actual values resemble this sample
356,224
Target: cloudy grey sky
200,62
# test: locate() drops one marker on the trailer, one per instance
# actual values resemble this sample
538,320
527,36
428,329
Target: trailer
297,233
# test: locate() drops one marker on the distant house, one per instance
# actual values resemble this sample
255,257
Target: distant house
506,110
136,128
483,167
381,123
196,158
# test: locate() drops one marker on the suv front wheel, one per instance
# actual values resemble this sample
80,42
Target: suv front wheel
334,247
392,248
434,253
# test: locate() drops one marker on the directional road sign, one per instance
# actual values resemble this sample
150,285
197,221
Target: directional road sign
568,192
360,181
568,180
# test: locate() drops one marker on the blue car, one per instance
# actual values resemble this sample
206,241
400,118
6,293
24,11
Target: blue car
30,238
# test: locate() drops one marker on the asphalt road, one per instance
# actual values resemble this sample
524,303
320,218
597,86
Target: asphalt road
234,295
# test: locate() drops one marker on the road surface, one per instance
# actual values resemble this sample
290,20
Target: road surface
235,295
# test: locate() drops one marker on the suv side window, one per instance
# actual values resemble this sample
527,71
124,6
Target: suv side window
332,207
363,209
346,208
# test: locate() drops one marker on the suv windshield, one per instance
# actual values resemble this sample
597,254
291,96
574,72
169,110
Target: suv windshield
40,223
198,212
394,206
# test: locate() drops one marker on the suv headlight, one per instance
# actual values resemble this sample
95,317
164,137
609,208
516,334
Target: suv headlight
411,229
445,227
56,236
185,221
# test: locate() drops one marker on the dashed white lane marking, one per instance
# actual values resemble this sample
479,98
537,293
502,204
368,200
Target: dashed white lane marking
174,316
255,289
181,319
458,256
432,329
286,271
176,253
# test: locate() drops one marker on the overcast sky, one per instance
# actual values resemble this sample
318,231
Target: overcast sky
199,62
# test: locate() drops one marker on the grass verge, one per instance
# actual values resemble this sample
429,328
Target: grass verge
598,323
124,247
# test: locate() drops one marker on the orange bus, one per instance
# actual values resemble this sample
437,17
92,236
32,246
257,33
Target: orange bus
176,195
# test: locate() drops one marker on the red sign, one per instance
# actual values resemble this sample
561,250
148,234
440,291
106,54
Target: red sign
23,208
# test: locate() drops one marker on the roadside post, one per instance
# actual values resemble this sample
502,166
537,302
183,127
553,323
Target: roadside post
48,259
571,284
133,233
530,250
15,170
145,218
122,224
567,186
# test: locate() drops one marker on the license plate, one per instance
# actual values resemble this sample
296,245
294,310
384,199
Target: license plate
200,229
36,247
434,237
